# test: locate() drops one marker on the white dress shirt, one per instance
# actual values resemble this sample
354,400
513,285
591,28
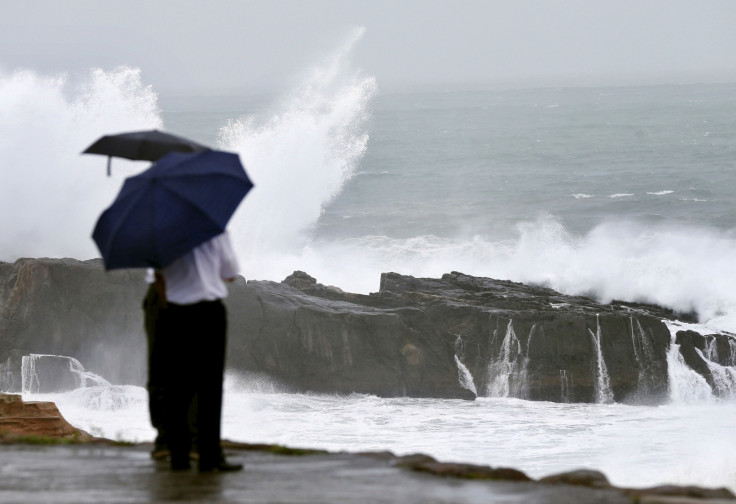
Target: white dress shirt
200,275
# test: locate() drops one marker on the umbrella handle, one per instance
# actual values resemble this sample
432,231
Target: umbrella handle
109,159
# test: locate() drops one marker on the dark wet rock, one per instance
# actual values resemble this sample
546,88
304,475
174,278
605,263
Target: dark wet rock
335,344
412,333
73,308
424,463
581,477
724,348
470,471
449,337
688,492
718,348
413,460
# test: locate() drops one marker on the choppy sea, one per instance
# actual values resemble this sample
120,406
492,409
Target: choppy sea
614,192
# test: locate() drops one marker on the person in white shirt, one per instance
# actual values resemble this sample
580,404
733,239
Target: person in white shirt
191,338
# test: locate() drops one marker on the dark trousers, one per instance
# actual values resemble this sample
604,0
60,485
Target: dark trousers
157,368
159,364
191,340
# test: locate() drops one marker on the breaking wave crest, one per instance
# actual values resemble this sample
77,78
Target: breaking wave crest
299,157
686,269
51,196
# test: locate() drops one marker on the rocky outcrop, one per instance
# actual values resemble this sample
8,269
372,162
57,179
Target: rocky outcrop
415,336
72,308
340,343
34,419
454,337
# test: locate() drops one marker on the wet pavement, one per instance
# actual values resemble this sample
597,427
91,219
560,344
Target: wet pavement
100,474
117,474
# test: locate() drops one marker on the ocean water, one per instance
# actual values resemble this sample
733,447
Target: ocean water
614,192
618,193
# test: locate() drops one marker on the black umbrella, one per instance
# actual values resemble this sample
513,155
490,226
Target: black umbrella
147,145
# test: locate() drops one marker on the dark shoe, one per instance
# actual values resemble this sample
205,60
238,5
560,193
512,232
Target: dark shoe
223,466
160,453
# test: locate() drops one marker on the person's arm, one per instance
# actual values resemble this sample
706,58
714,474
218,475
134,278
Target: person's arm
229,267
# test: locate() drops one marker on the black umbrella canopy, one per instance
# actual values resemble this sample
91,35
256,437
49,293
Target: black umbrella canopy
146,145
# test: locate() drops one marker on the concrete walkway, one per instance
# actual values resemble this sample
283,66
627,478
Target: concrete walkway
100,474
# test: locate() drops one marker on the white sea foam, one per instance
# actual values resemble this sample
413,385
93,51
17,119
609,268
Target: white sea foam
687,269
679,267
660,193
620,195
672,444
117,412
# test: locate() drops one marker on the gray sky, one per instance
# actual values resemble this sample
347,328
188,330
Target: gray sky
228,44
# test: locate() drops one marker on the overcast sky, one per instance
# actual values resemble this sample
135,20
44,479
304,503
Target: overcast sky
231,44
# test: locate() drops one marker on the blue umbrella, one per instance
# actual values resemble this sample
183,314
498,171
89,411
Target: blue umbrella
178,203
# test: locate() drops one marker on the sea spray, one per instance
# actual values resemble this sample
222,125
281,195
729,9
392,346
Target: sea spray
299,159
465,378
662,264
45,123
645,357
621,260
108,397
711,348
724,378
29,378
566,385
42,372
507,373
685,385
603,392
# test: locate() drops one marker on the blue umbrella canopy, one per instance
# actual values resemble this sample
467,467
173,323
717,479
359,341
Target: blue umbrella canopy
178,203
